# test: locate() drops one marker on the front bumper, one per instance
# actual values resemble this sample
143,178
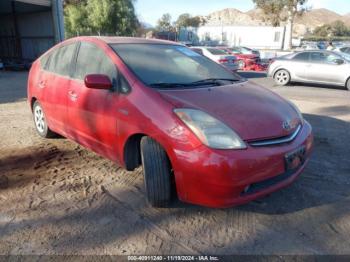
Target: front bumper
220,178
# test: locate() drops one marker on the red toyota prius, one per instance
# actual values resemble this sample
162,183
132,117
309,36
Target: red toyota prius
197,129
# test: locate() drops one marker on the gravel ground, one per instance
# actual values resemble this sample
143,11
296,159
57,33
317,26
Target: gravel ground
59,198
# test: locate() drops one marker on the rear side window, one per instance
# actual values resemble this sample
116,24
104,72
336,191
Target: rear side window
197,50
302,57
61,60
345,49
44,61
236,50
215,51
92,60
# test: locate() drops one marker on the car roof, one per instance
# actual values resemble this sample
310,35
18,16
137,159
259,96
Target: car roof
204,47
316,51
126,40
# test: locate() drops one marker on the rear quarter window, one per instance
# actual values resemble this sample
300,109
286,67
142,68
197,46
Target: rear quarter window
44,61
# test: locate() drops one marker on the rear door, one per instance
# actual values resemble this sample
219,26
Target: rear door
55,82
324,69
92,112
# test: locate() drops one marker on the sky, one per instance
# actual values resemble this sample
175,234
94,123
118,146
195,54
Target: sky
150,11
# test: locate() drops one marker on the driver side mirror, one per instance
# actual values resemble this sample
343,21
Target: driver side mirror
97,81
339,61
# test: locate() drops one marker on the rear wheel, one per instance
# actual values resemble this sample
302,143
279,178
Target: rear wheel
348,84
157,173
282,77
40,122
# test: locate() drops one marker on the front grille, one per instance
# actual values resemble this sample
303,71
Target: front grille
259,186
276,141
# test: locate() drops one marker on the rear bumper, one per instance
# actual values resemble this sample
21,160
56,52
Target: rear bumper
231,67
219,178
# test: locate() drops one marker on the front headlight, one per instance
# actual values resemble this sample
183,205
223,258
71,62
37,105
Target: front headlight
209,130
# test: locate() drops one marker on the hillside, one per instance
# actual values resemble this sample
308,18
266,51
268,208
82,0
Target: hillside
308,22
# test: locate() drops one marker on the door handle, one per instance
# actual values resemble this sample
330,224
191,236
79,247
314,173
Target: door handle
73,96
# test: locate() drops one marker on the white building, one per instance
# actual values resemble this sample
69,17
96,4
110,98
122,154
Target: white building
259,37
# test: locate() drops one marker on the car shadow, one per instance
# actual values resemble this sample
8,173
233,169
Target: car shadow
324,86
252,74
13,86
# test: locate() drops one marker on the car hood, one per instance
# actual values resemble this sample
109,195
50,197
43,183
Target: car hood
254,112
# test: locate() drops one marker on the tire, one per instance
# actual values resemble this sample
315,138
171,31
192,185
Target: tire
282,77
157,173
40,122
348,84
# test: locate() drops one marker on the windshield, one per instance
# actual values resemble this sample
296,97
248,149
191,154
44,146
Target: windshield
157,64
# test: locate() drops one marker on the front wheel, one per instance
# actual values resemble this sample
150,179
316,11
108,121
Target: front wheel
157,173
282,77
40,122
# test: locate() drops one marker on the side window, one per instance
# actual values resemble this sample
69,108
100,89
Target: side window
318,57
277,36
53,60
92,60
124,86
65,56
44,61
197,50
302,57
236,50
323,58
61,59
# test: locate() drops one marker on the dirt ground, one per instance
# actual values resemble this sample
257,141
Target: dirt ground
59,198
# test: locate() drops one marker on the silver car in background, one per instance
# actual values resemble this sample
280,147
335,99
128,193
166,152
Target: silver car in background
321,67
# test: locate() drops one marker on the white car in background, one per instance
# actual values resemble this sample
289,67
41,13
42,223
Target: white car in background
219,56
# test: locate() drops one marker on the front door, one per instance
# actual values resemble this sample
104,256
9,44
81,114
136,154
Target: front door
323,68
92,112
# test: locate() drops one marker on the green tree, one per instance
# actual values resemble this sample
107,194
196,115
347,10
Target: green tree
104,17
186,20
335,29
277,11
324,31
75,19
339,28
164,23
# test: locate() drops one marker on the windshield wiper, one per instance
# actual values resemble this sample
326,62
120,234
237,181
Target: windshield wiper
215,80
209,81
